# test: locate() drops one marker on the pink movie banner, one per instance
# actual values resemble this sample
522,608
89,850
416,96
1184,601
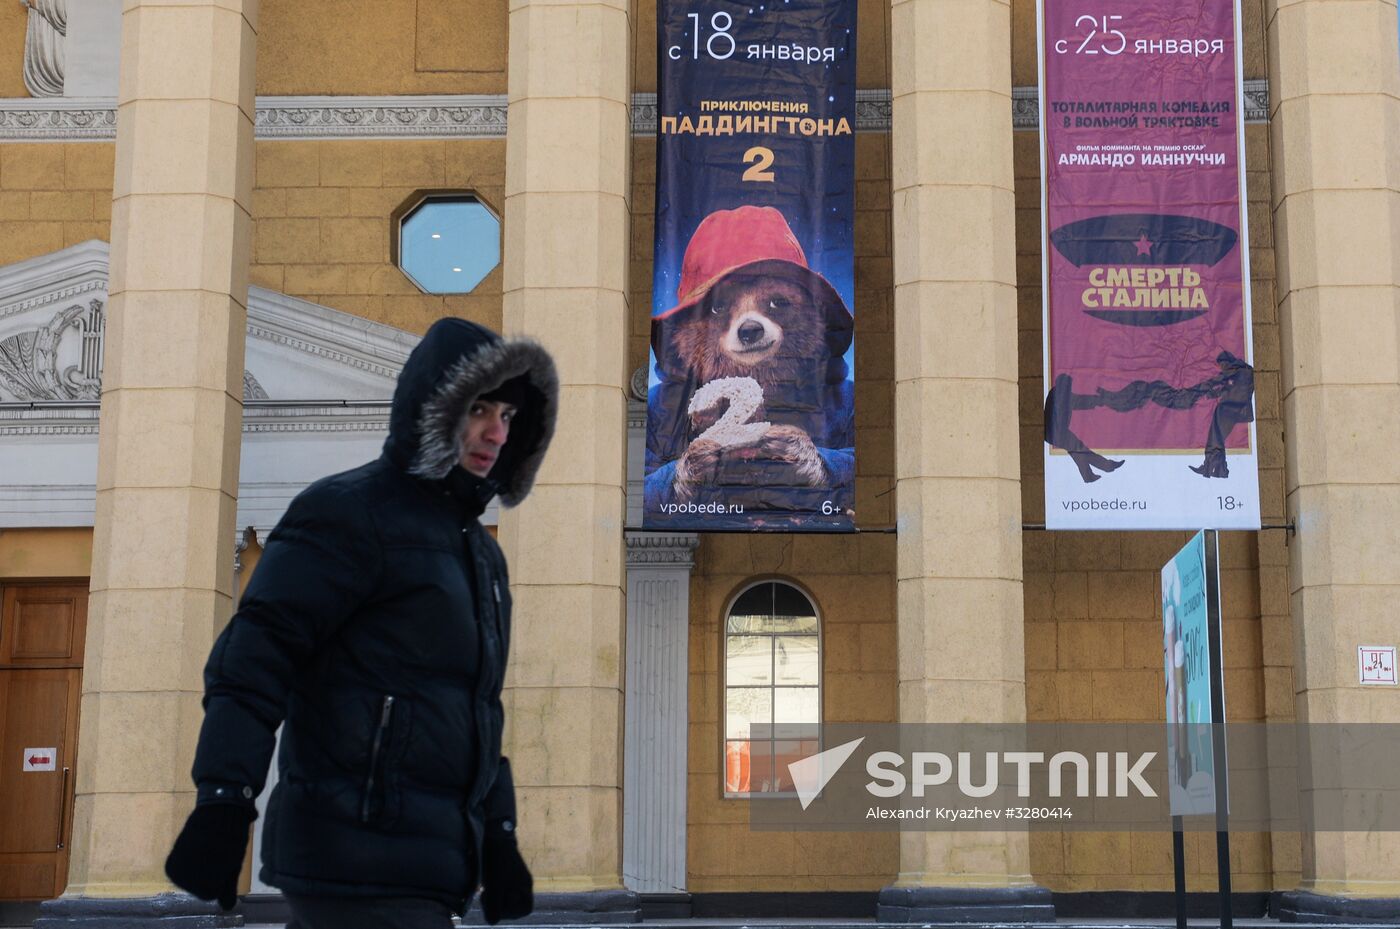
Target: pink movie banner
1149,378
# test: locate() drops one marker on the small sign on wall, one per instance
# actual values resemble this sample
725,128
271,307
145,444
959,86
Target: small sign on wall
1377,664
40,759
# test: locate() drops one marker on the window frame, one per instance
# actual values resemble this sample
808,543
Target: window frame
421,197
772,686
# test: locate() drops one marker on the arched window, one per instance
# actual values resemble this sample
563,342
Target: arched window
772,687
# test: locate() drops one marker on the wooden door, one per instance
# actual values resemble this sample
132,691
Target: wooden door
42,630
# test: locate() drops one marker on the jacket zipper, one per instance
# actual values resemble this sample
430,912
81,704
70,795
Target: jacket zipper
490,643
496,642
388,708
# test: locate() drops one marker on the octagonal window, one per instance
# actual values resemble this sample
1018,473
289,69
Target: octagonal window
447,245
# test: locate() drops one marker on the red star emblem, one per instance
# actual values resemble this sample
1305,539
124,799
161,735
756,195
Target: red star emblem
1144,247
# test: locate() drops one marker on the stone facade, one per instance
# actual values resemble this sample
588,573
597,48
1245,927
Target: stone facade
322,222
1076,614
53,196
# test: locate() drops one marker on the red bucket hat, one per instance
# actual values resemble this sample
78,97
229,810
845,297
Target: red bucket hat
755,238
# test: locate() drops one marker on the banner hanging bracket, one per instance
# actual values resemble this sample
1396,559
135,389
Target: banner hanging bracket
1291,527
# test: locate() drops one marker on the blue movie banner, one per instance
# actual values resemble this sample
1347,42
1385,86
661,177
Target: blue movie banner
750,408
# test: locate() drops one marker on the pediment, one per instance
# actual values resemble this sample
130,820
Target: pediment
316,391
52,320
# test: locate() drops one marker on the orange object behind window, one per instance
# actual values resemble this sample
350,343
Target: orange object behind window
736,767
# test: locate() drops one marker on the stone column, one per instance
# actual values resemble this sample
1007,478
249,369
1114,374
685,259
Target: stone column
168,448
961,645
1335,123
658,703
565,280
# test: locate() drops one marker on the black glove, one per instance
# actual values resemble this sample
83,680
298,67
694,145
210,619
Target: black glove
208,855
507,889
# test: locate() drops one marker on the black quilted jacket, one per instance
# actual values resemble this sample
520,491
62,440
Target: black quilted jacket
376,629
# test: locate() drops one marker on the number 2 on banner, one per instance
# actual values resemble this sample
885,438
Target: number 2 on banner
760,159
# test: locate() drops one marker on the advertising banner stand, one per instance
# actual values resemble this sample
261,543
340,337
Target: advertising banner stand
1217,729
1198,778
1179,869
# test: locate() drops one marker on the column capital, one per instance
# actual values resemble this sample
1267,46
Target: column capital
662,549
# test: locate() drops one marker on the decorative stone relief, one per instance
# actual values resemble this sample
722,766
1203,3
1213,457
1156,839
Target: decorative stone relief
644,119
57,120
676,549
438,117
33,368
43,46
1256,101
30,365
1025,107
874,110
317,382
412,117
252,390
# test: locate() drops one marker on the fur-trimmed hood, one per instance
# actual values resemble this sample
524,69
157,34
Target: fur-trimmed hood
456,362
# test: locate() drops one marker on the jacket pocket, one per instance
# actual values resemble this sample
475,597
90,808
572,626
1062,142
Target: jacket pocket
374,776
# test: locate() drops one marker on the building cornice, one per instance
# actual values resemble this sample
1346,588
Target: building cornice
57,119
79,418
60,275
459,116
426,117
327,333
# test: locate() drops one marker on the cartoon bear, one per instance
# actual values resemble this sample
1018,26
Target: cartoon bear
775,430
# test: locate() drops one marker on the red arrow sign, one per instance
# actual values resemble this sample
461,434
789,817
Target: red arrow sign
39,759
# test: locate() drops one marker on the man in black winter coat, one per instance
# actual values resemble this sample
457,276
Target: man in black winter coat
375,631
